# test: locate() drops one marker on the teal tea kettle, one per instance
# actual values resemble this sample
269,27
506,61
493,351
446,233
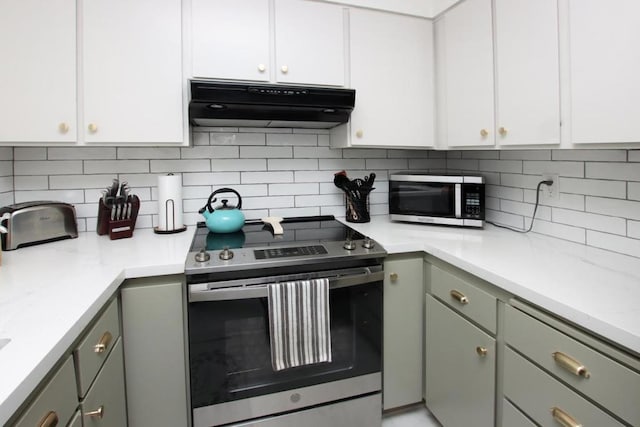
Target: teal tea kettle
223,219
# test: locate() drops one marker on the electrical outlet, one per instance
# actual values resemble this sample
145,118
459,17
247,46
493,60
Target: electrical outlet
551,191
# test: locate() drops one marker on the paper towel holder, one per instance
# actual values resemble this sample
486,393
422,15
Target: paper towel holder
169,206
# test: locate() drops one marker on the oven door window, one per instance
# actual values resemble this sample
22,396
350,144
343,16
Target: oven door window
230,356
422,198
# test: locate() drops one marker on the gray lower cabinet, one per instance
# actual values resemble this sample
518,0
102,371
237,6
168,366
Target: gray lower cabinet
512,417
76,421
105,402
402,330
460,368
153,329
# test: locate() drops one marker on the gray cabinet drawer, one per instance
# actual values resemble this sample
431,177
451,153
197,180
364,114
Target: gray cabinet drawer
465,298
94,348
57,400
512,417
459,368
609,383
536,393
105,405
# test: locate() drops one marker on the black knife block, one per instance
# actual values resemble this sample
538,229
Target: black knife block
117,228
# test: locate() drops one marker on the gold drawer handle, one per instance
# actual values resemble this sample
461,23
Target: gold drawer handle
482,351
570,364
564,419
393,277
459,296
103,343
98,413
49,420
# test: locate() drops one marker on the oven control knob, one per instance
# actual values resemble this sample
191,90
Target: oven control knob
349,245
368,243
226,254
203,256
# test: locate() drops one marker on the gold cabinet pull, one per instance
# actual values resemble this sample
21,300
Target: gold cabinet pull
564,419
570,364
503,131
393,277
262,68
359,133
103,343
284,69
49,420
459,296
484,133
93,128
63,128
482,351
98,413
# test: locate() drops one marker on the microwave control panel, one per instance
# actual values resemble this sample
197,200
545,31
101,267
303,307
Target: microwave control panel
473,201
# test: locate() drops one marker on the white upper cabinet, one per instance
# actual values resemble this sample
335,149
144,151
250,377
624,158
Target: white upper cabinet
527,71
38,71
132,71
465,75
604,70
309,42
303,42
230,39
392,73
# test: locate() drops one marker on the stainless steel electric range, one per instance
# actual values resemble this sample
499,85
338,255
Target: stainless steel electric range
231,376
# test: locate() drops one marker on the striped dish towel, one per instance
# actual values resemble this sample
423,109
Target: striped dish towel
299,323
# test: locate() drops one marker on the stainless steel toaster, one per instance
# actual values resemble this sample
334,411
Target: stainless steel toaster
32,223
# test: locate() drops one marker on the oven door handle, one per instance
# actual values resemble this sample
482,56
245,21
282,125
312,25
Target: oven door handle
260,291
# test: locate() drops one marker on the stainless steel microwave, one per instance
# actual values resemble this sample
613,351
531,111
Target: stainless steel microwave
437,199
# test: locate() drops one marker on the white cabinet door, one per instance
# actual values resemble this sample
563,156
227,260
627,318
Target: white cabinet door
466,75
309,42
604,52
392,73
230,39
38,71
132,65
527,61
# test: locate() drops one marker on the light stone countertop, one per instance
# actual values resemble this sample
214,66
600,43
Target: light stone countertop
49,293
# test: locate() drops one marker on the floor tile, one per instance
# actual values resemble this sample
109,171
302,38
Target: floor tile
415,416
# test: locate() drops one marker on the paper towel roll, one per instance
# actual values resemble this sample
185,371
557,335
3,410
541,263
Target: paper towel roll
170,202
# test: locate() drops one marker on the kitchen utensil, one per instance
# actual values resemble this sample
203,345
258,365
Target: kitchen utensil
274,222
225,218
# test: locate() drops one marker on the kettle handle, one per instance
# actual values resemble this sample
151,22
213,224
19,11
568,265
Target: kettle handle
222,190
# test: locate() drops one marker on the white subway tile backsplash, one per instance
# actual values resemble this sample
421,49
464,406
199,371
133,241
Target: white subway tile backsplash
313,176
6,153
591,155
34,182
492,203
526,210
306,211
634,155
408,154
143,153
504,218
81,153
633,191
200,192
319,132
433,165
268,202
265,130
590,221
633,229
570,169
561,231
6,184
520,181
330,188
137,179
324,200
6,199
614,207
112,166
316,153
68,196
507,166
364,153
525,154
239,165
391,164
463,164
254,139
200,138
192,165
211,178
337,165
291,139
45,167
294,189
70,182
210,152
566,201
508,193
614,243
250,152
265,177
593,187
30,153
481,154
619,171
292,165
453,154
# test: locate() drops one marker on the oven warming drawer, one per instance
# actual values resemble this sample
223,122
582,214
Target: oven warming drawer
358,415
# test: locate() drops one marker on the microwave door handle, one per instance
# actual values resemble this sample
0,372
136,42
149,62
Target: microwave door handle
458,200
249,292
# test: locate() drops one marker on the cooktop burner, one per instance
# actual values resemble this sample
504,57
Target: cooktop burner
304,240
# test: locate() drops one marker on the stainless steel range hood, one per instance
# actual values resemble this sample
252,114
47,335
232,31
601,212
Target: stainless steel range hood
261,105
